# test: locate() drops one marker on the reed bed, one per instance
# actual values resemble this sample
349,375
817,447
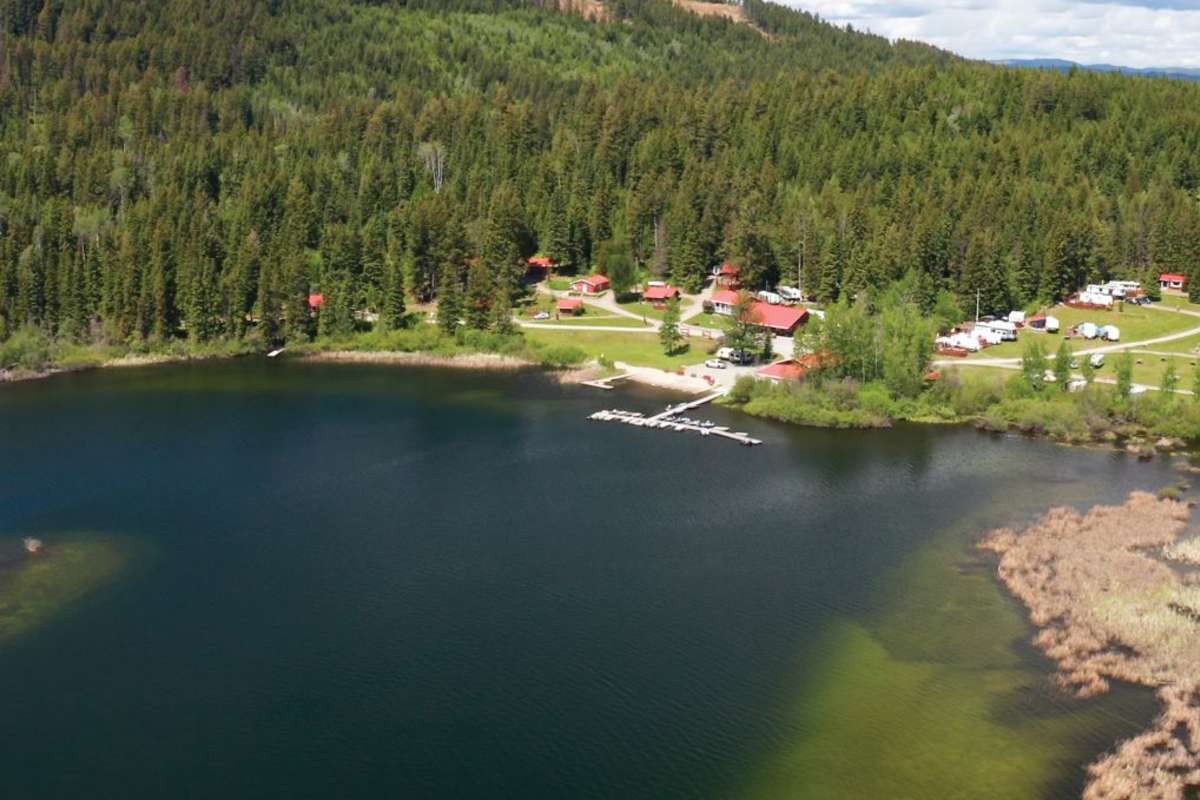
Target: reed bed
1110,606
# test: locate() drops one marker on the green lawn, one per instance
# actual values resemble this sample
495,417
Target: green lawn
639,349
1184,347
1178,301
704,320
649,311
1147,370
1135,322
592,318
592,315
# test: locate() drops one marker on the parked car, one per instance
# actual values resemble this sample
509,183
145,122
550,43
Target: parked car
1097,360
1141,301
542,315
715,363
770,298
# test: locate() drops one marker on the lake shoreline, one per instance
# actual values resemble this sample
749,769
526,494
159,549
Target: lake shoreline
483,362
1144,444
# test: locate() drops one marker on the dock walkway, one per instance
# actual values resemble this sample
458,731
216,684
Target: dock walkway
672,420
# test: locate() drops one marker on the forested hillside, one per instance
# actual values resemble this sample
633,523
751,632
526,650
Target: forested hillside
198,167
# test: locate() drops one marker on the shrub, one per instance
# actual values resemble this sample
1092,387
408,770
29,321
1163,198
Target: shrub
561,355
27,349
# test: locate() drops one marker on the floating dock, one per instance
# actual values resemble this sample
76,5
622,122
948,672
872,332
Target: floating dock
673,420
606,383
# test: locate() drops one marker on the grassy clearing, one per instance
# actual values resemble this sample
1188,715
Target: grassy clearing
1184,347
592,315
589,318
1179,301
648,311
1148,372
1136,323
639,349
704,320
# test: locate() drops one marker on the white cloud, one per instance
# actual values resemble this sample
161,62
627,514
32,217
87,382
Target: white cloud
1138,33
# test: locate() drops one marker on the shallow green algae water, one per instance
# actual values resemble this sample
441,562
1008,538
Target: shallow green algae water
938,693
35,589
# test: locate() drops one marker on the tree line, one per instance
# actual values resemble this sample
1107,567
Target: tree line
195,169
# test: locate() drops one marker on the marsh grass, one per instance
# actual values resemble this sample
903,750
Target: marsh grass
1109,606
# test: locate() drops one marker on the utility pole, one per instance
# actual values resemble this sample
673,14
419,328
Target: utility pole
976,306
800,267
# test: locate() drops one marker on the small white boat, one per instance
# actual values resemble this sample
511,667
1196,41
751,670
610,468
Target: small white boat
276,352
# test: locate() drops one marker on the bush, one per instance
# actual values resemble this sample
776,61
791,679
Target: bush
559,356
833,405
976,396
27,349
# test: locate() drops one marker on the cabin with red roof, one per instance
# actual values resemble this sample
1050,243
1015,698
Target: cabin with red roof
723,301
795,369
1172,281
542,262
729,276
782,320
592,284
659,292
570,305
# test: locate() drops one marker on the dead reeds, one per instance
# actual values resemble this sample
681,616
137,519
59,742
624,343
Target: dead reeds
1109,606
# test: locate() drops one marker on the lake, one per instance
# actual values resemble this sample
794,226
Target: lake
361,581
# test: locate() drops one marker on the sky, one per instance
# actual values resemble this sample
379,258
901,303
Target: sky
1136,33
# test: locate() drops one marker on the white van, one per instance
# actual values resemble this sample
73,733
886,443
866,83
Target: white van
770,297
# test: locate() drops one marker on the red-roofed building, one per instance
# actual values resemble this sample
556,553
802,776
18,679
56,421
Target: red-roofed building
783,371
659,293
795,369
570,305
542,262
723,301
1172,280
729,276
315,301
593,284
782,320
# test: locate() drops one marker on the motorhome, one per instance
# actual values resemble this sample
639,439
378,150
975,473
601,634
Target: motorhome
790,294
1006,330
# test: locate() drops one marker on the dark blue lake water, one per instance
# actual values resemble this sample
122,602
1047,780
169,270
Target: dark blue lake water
353,582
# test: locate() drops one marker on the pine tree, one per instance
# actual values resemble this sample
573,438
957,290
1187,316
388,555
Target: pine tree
394,310
450,300
480,291
294,293
500,318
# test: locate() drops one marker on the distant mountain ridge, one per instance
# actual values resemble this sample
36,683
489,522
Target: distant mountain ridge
1178,73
